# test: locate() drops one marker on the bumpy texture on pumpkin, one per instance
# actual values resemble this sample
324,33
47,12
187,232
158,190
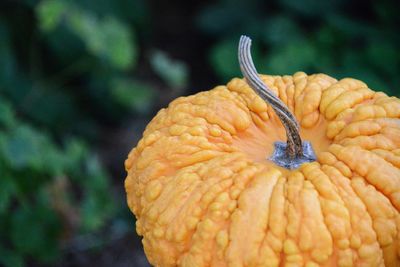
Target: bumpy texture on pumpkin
204,193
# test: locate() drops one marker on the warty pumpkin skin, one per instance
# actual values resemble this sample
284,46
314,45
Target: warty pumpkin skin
205,194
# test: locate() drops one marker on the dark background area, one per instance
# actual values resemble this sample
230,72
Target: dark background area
79,80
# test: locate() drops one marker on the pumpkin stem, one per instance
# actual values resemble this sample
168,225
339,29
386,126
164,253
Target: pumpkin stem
294,151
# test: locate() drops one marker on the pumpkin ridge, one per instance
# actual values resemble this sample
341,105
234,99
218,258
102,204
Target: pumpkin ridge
342,184
207,219
347,100
329,159
367,165
191,240
368,143
354,129
363,133
206,216
275,225
357,210
260,184
389,156
265,249
293,212
345,192
336,216
336,89
376,203
281,89
200,184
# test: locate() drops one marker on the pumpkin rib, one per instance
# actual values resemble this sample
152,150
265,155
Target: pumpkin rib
280,85
271,246
347,195
300,80
210,186
391,106
376,141
243,187
342,86
345,252
192,182
347,100
207,219
245,251
294,252
367,208
204,215
329,159
336,215
309,102
366,164
389,156
372,205
358,128
376,126
198,229
379,206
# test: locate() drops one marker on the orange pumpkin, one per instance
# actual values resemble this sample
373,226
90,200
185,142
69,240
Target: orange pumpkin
207,191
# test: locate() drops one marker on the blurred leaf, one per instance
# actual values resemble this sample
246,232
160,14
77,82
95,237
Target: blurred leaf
75,153
137,11
293,57
7,61
173,72
131,93
384,56
7,190
9,258
106,38
224,60
315,8
353,65
50,14
349,26
38,237
119,42
97,205
387,11
223,57
22,148
327,38
280,30
53,159
7,118
48,105
226,17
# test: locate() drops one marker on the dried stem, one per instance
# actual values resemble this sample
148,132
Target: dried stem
294,148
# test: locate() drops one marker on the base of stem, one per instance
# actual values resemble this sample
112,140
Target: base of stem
280,157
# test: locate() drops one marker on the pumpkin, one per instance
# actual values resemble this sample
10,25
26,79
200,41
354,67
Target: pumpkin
212,184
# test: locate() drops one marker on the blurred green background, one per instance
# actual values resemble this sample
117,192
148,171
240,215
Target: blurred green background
79,80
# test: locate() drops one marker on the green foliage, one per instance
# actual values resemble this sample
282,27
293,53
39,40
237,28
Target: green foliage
173,72
31,164
52,184
106,38
129,91
311,36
